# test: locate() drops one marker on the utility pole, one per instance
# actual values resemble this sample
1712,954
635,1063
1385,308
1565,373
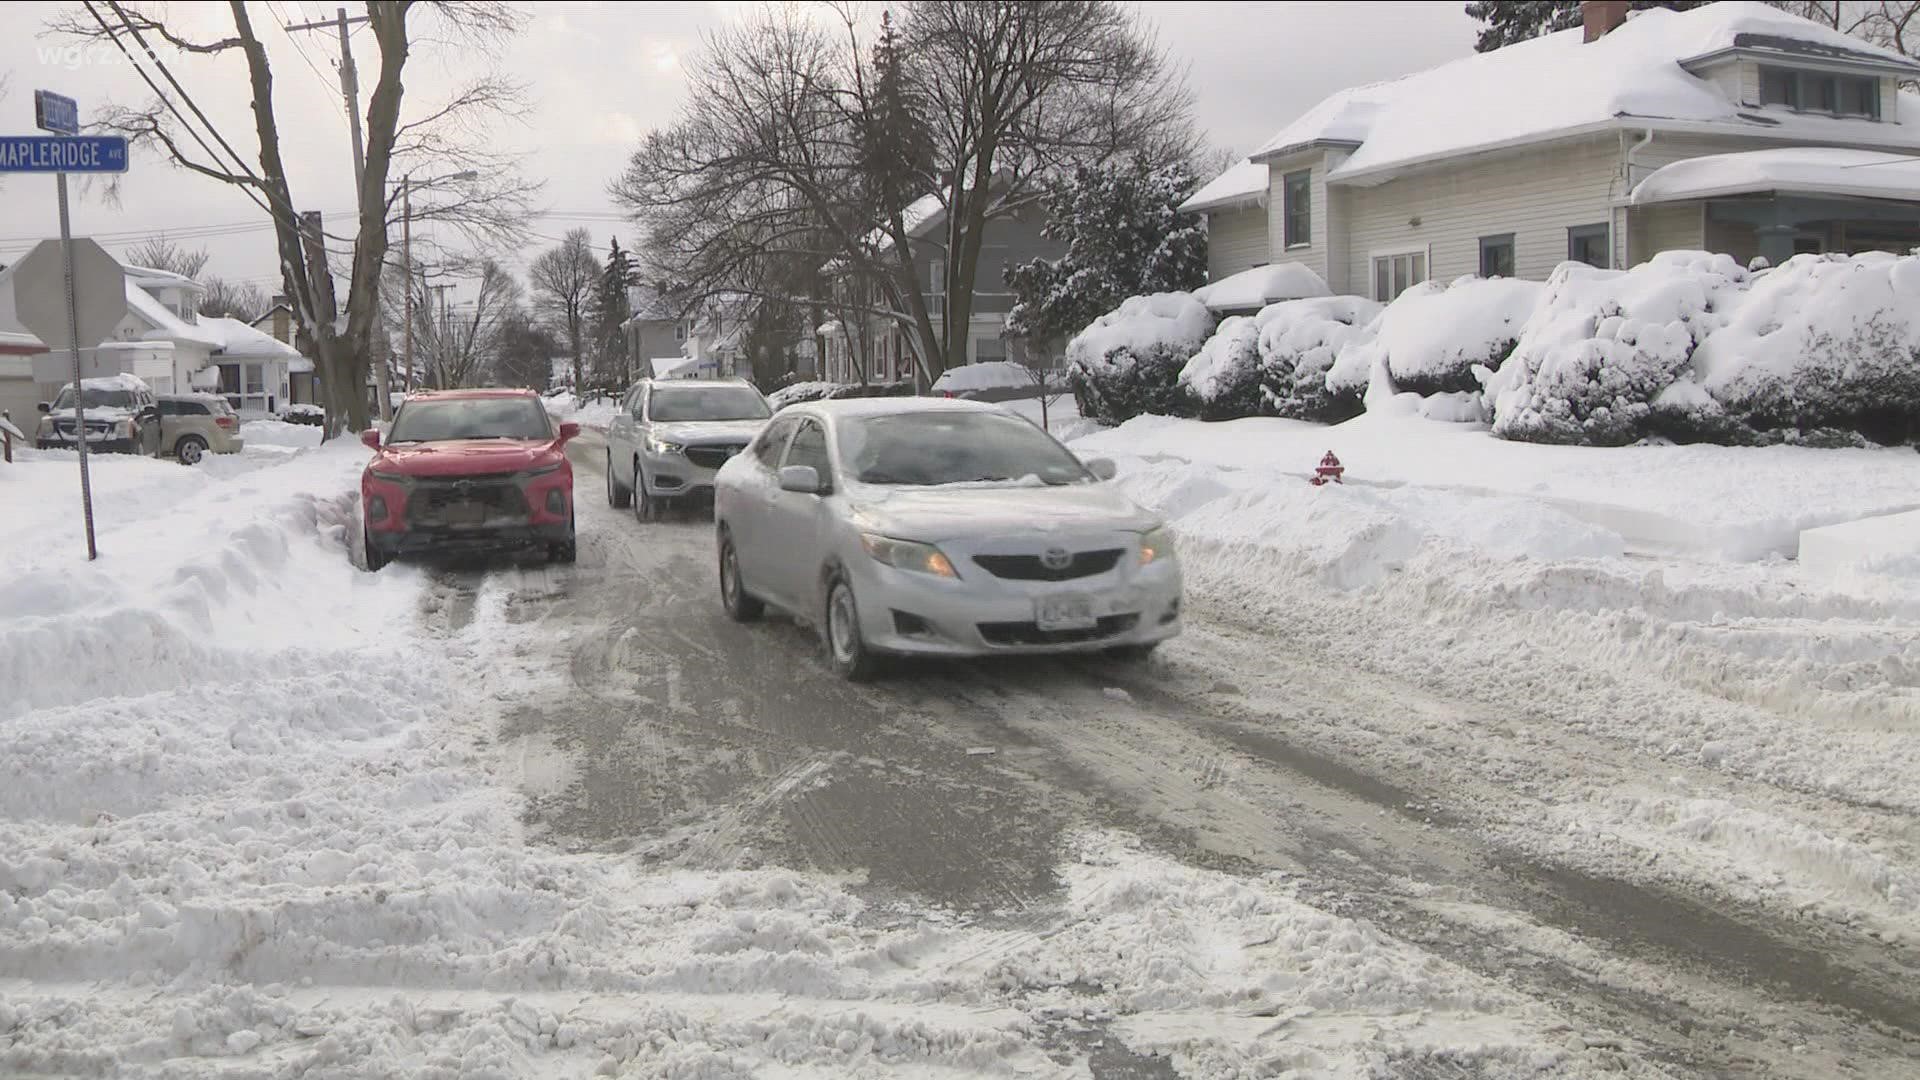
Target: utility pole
406,262
350,89
446,333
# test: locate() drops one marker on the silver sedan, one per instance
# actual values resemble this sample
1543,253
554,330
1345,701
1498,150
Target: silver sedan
938,527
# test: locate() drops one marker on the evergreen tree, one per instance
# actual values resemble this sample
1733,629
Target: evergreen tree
896,152
611,310
1125,237
1508,22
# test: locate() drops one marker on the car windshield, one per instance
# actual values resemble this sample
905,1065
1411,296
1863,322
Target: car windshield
684,403
470,418
927,448
95,399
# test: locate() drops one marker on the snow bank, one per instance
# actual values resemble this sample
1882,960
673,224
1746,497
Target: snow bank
1129,360
1430,338
279,433
596,412
1249,290
1605,343
1824,342
1889,544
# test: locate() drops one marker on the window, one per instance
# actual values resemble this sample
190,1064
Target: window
1588,244
1395,273
774,439
933,448
809,447
680,331
1496,255
256,377
1297,191
679,404
429,420
988,349
1821,92
633,406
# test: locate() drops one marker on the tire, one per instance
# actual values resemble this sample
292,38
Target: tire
1132,654
189,449
741,605
618,497
567,550
376,558
645,507
847,650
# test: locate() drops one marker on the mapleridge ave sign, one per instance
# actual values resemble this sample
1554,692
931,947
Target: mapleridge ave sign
63,154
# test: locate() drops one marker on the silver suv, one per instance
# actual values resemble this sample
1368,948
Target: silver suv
194,425
672,435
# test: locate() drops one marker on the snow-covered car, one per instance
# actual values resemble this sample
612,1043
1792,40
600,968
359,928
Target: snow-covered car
939,527
122,415
312,415
670,437
194,425
466,469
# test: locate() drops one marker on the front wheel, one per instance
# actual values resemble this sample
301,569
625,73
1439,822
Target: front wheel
567,550
741,605
645,506
846,646
190,449
618,495
376,558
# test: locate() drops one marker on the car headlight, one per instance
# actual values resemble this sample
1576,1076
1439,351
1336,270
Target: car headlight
1156,544
908,555
662,446
544,470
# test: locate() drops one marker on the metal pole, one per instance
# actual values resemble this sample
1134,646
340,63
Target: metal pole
406,257
73,345
350,86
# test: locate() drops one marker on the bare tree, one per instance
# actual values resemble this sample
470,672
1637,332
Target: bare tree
1049,381
1890,24
771,156
563,279
160,253
341,342
461,342
525,354
241,300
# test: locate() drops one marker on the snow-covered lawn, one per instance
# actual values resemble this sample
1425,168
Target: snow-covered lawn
595,413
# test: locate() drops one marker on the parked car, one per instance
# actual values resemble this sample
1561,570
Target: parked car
939,527
122,416
670,438
311,415
467,469
193,425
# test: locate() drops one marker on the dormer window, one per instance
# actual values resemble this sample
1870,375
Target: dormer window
1821,92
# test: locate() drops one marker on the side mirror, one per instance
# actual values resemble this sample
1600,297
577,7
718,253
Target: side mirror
804,479
569,430
1103,468
46,406
371,437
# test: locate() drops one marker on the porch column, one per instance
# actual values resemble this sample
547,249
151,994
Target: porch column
1776,242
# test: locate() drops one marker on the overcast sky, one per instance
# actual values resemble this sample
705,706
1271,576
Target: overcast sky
601,75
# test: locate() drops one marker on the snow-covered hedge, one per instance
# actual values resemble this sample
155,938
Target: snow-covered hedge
1823,343
1431,337
1604,345
1299,341
1224,376
1129,361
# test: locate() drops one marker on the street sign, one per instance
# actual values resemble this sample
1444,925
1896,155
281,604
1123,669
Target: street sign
99,294
51,112
63,154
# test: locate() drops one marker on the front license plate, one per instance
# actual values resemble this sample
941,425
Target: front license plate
466,513
1064,611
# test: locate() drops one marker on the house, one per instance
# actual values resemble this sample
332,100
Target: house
303,382
863,346
162,340
1733,127
19,394
655,328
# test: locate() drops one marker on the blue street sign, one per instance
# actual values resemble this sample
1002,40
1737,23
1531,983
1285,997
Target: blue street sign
52,112
63,154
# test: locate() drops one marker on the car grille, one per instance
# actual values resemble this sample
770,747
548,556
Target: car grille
714,455
97,427
465,501
1030,568
1026,633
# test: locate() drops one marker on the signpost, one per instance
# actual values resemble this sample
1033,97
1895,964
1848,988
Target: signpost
61,153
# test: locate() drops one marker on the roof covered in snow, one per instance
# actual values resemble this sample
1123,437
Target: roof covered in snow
1825,170
166,325
1246,182
237,340
1558,85
147,275
1253,289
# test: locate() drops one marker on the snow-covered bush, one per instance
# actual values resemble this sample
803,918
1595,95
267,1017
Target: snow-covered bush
795,393
1129,361
1431,336
1604,344
1823,342
1299,341
1224,376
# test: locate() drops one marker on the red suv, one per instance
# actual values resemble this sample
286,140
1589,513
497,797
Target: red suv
465,469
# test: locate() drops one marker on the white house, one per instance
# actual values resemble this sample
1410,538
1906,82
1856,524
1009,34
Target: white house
162,340
1733,127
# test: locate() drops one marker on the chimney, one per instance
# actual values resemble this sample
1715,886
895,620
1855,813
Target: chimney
1602,17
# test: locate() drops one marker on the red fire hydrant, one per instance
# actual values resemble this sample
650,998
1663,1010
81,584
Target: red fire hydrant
1329,469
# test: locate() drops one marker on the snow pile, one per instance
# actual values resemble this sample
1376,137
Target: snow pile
595,412
1823,342
1129,360
1431,337
1605,343
1252,289
279,434
1299,342
1224,376
1889,544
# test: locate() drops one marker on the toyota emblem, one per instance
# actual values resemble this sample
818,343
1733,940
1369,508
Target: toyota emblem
1056,558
